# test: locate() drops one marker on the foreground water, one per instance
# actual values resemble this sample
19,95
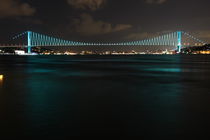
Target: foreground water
60,96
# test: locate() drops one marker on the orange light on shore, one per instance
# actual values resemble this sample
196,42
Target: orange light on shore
1,77
1,80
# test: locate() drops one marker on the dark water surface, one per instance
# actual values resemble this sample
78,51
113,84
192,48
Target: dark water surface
60,96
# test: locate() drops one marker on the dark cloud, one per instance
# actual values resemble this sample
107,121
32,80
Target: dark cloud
156,1
87,4
146,17
9,8
204,34
29,20
144,35
139,36
86,25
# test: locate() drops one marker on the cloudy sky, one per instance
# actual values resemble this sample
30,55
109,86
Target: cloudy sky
104,20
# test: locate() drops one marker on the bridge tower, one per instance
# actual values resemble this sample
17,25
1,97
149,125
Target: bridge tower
29,45
179,43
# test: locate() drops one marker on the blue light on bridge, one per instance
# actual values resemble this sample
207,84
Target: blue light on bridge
172,39
179,41
29,41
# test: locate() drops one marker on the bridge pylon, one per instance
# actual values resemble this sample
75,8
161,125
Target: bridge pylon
179,41
29,44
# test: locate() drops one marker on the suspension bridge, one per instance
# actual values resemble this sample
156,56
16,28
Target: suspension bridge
176,39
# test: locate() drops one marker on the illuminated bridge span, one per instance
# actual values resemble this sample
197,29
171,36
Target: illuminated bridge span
175,39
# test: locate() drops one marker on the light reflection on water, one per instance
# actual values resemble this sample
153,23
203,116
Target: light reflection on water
1,80
165,69
55,96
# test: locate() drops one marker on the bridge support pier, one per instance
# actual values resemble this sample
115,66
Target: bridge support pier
29,49
29,42
179,47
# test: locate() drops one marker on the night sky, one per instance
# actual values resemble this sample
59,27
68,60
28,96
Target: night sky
104,20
